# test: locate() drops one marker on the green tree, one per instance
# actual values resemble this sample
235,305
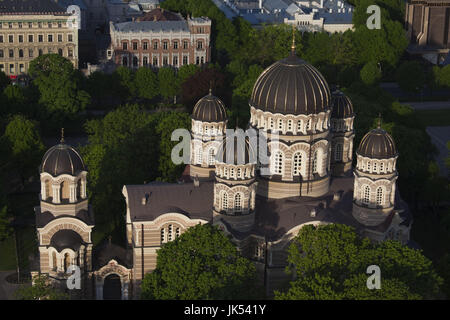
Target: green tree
59,86
442,76
24,144
185,72
410,76
330,262
370,73
5,228
167,123
146,83
167,82
4,80
200,264
125,84
41,289
122,149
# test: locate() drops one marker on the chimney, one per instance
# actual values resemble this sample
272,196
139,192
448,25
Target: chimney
145,199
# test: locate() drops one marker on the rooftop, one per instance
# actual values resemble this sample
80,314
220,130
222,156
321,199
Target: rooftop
30,7
152,26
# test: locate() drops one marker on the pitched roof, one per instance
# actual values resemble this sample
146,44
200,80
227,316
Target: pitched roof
185,198
30,7
152,26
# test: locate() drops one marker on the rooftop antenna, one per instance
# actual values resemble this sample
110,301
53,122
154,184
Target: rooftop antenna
62,135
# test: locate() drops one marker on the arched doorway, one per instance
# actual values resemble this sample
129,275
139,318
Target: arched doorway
112,288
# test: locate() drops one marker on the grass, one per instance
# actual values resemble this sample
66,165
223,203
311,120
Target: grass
21,206
434,118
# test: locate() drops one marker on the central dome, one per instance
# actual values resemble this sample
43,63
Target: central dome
62,159
291,86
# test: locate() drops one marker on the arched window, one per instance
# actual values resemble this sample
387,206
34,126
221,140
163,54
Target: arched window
315,162
145,61
170,233
277,163
79,189
135,62
289,125
338,152
211,156
66,261
366,195
20,53
238,202
199,156
280,125
163,235
60,52
224,201
299,125
297,163
125,61
380,196
65,192
54,261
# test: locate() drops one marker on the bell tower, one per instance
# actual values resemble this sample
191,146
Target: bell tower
64,218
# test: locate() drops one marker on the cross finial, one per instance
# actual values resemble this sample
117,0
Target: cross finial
109,239
210,87
293,39
379,120
62,135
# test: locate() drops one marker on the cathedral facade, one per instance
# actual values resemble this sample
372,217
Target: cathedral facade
311,181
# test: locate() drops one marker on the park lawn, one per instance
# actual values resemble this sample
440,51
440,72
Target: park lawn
434,118
7,255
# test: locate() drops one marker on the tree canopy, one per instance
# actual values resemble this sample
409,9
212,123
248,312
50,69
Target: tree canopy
330,262
200,264
59,86
41,289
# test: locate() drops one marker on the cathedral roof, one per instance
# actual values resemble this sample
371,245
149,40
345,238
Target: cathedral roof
209,109
377,144
342,107
195,202
291,86
62,159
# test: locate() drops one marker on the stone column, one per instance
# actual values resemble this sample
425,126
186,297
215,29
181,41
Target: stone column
44,195
56,193
83,188
73,195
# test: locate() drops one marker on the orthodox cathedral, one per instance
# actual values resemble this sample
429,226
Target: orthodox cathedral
311,181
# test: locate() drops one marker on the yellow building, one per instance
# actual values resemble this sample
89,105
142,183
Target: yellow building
29,29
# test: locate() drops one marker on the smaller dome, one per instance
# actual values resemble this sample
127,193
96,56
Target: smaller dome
342,107
66,238
62,159
209,109
237,151
377,144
